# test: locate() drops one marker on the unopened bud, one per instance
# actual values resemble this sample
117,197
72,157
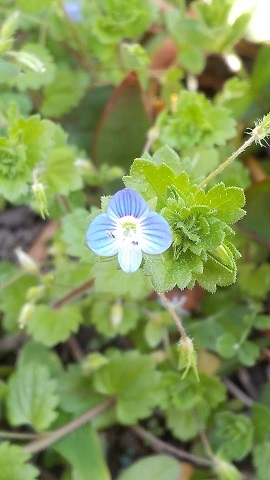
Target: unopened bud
5,44
187,357
25,314
28,60
35,293
84,165
47,279
10,24
26,262
116,314
41,199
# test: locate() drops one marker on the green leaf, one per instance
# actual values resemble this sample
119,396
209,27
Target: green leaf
113,318
227,345
185,424
154,467
228,202
61,174
195,121
235,435
254,281
135,387
33,7
123,20
32,397
125,119
53,326
82,449
12,299
182,398
260,76
73,230
110,279
256,223
39,354
248,353
192,59
64,93
261,422
261,460
13,464
7,71
31,79
148,179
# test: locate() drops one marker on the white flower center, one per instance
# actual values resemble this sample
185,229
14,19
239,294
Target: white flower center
127,231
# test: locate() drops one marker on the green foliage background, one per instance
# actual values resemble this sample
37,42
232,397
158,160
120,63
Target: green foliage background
87,107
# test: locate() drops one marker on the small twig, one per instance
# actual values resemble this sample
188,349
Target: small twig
12,341
74,293
48,439
174,316
75,348
18,435
238,393
161,446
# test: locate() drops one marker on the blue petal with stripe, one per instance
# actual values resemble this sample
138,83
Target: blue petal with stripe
127,202
156,234
99,238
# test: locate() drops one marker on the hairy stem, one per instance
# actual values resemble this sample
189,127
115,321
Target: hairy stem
227,162
174,316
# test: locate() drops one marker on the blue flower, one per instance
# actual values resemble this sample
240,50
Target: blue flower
128,228
73,10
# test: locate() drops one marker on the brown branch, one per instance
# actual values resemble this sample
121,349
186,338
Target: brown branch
161,446
48,439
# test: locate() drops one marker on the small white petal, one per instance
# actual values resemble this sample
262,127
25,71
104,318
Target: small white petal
129,258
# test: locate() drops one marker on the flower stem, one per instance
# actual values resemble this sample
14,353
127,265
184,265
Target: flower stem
229,160
49,438
175,317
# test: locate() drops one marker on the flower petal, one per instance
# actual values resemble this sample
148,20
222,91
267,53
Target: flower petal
98,239
127,202
156,234
129,258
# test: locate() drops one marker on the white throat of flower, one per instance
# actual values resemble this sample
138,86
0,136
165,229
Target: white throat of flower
127,232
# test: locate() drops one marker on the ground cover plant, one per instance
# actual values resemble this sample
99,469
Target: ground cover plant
135,341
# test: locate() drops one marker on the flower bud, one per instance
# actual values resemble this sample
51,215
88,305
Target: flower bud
47,280
26,262
116,314
5,44
9,26
25,314
29,60
35,293
187,357
41,199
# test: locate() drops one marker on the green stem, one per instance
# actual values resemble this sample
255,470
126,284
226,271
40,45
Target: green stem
227,162
48,439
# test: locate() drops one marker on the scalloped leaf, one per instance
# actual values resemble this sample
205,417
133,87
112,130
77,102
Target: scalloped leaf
13,464
32,397
53,326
